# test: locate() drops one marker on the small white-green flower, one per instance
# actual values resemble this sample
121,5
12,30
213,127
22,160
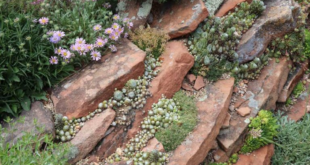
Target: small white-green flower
247,120
28,38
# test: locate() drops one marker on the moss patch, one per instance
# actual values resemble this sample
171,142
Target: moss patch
172,136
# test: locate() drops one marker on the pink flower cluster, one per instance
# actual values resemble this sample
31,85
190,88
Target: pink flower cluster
55,36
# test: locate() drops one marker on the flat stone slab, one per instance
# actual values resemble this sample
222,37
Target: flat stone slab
136,10
81,93
212,108
279,18
25,123
261,156
180,18
292,81
302,105
153,144
229,5
261,94
177,61
90,134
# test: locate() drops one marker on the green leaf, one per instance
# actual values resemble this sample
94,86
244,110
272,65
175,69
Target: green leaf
15,78
25,103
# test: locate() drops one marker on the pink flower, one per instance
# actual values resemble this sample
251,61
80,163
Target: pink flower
129,25
126,35
59,33
79,41
101,42
58,51
115,17
113,48
114,36
95,55
66,54
55,39
80,48
97,27
108,31
125,20
43,21
89,47
115,26
53,60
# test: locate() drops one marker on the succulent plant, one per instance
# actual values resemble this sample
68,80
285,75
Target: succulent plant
215,40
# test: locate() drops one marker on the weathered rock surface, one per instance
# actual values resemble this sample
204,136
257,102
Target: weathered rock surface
180,18
302,105
153,144
191,78
187,86
90,134
261,94
213,5
220,156
226,121
292,81
25,123
177,61
261,156
229,5
111,142
279,18
136,10
243,111
81,93
212,108
199,83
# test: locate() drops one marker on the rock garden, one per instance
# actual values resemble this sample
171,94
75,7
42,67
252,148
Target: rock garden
154,82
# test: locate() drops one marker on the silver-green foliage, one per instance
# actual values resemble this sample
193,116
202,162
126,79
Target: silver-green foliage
295,140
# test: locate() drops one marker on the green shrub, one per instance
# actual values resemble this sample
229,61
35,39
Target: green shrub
149,39
28,46
28,150
232,160
24,63
263,129
294,138
299,88
172,136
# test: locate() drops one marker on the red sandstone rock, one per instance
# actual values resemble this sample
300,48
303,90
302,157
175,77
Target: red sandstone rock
261,94
302,105
153,144
91,133
279,18
191,78
292,81
186,86
212,110
136,10
244,111
220,156
177,62
229,5
227,120
261,156
199,83
181,18
110,143
82,92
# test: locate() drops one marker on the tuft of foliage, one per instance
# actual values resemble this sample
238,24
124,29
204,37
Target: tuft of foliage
307,43
149,39
289,102
172,136
263,129
299,88
28,150
232,160
294,139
